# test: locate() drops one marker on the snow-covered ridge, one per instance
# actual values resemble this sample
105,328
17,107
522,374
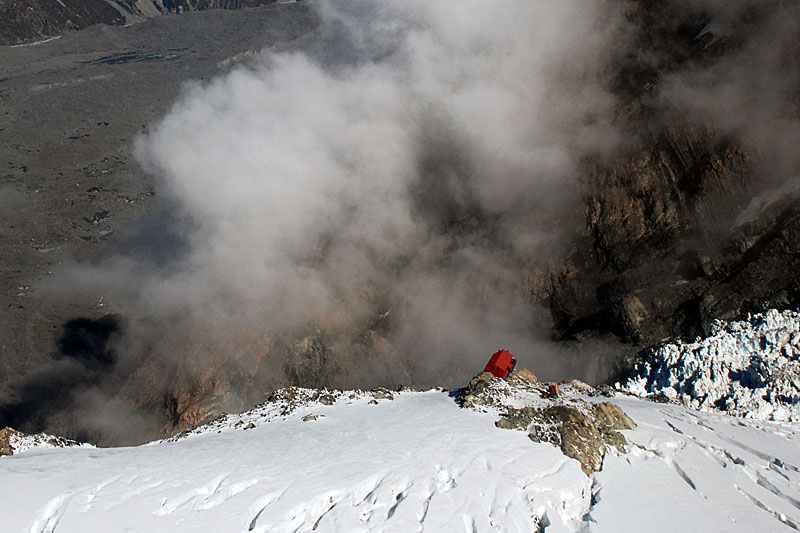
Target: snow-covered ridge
14,442
345,461
749,368
369,461
289,402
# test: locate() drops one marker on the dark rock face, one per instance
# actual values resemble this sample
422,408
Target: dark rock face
673,238
653,241
666,254
174,385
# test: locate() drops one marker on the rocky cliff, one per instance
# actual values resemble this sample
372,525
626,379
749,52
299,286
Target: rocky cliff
690,221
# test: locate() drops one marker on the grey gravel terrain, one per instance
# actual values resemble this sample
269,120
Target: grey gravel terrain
70,110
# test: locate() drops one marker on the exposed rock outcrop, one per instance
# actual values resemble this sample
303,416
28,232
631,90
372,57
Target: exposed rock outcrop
198,379
583,430
286,401
13,442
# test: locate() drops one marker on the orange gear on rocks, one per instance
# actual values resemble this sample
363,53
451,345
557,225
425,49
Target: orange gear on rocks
551,392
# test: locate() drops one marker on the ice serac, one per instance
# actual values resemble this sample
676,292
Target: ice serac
748,368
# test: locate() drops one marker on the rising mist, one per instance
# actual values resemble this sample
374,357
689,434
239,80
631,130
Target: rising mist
365,209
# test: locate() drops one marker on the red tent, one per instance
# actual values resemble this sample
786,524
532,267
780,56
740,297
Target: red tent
501,363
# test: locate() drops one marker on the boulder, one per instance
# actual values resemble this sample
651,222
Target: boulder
478,392
524,375
582,430
580,433
380,393
518,418
6,435
613,416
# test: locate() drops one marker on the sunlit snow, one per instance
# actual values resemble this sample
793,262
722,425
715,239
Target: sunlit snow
416,462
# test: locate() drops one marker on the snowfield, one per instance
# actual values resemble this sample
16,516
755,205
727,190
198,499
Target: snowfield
409,462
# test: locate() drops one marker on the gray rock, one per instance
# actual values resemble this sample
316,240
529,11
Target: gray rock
583,431
613,416
327,399
479,391
659,397
518,418
380,393
581,434
605,390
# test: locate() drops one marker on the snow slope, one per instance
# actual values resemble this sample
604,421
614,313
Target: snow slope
697,471
401,465
416,462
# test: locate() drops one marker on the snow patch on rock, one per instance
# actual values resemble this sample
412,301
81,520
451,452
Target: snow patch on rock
13,442
749,368
289,402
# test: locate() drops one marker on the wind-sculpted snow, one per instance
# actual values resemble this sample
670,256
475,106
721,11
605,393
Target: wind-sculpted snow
695,471
369,461
749,368
381,461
